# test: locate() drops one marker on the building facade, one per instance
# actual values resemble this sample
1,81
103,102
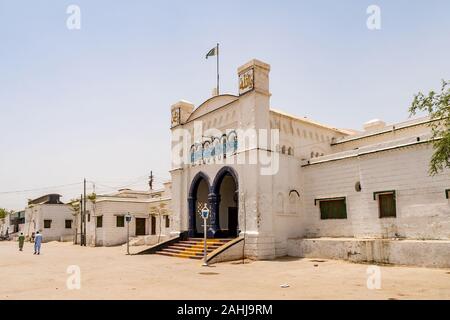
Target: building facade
150,222
51,217
269,176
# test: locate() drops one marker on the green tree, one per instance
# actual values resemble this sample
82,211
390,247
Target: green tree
3,213
437,105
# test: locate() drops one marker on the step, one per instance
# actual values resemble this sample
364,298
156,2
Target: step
175,250
189,245
181,248
198,245
197,242
177,256
192,248
209,240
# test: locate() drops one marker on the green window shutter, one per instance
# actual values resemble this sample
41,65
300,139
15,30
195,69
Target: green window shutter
333,209
100,222
387,205
120,221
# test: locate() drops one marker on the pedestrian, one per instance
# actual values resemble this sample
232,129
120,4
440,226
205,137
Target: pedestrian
37,242
21,241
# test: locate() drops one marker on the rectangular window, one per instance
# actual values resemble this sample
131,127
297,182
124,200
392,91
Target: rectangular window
47,224
100,222
120,221
167,221
89,217
386,205
68,224
333,208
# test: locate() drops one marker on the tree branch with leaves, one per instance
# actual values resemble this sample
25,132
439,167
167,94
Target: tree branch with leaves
437,105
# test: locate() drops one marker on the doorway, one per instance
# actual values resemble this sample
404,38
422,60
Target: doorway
232,222
225,187
153,223
140,227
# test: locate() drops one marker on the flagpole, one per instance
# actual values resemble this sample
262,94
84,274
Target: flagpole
218,69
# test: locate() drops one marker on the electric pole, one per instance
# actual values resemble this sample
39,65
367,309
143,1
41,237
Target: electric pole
84,213
150,180
81,219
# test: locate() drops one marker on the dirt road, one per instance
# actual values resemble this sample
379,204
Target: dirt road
107,273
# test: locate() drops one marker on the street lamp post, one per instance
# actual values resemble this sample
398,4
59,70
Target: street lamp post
205,215
128,219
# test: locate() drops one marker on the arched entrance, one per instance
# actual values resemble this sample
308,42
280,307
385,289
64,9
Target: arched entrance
225,204
198,193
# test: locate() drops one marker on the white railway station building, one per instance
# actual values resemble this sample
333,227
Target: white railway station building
293,186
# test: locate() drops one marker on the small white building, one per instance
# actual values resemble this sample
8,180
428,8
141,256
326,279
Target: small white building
150,212
51,217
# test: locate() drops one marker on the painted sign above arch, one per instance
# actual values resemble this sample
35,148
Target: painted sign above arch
246,81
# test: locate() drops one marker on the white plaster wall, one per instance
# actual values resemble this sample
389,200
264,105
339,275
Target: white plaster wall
287,210
58,213
305,138
423,212
379,138
425,253
110,234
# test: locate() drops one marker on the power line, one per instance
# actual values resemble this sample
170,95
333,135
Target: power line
129,183
40,189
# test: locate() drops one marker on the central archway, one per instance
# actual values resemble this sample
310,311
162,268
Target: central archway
199,192
225,204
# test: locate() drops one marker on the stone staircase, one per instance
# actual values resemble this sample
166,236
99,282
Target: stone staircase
191,248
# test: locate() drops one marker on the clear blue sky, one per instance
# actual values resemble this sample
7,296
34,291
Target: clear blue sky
95,102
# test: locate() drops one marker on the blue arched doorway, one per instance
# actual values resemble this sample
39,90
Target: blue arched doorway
199,192
222,199
225,204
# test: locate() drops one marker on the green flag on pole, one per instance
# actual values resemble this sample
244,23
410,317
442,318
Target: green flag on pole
212,53
215,52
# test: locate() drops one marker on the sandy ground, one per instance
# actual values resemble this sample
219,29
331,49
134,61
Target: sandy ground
107,273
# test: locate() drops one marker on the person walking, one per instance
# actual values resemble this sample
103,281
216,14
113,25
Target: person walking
37,243
21,241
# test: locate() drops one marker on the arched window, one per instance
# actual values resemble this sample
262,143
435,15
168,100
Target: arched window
198,152
206,150
224,146
290,151
215,150
283,150
233,141
192,151
293,202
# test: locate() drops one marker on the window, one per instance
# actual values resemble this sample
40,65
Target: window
167,221
120,221
100,222
386,205
68,224
47,224
332,208
89,217
447,194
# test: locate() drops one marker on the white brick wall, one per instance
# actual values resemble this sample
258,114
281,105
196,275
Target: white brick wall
423,212
57,213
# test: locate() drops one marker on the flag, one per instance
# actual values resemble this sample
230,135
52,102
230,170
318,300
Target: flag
213,52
